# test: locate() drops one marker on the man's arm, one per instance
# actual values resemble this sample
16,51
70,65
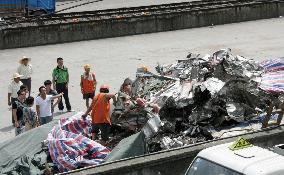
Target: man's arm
91,107
88,110
56,96
32,70
14,112
57,101
10,90
111,96
81,85
53,80
9,99
67,79
37,110
95,82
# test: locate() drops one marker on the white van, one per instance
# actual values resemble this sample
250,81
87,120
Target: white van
237,158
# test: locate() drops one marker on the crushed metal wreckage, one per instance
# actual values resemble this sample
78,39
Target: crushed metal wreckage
194,99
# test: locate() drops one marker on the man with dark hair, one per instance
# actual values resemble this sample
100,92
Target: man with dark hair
50,91
43,105
60,79
30,117
100,108
25,88
17,110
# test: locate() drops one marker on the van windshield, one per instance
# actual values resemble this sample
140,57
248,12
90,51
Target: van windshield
201,167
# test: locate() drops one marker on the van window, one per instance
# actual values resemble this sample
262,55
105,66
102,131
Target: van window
201,166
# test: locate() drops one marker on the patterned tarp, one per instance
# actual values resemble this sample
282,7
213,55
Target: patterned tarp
70,148
272,80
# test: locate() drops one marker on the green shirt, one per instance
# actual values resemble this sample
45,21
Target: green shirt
60,74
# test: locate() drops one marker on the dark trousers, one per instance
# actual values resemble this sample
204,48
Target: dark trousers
61,87
28,83
12,101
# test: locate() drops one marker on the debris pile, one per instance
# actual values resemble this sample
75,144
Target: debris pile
195,96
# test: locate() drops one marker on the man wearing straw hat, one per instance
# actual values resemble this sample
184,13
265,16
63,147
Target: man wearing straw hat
13,88
26,70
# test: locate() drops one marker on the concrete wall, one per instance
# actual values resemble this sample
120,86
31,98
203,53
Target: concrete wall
60,33
175,162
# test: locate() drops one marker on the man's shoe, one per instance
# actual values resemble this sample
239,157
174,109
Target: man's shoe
70,110
60,111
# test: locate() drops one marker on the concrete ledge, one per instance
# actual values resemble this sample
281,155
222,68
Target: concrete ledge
88,30
176,161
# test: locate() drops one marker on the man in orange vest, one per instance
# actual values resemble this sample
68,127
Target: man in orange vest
100,108
88,84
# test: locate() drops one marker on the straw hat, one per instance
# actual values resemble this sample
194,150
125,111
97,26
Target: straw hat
24,58
16,75
87,66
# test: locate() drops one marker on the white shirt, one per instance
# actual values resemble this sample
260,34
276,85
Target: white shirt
44,106
26,71
13,88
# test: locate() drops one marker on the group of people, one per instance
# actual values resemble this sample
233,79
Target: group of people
24,117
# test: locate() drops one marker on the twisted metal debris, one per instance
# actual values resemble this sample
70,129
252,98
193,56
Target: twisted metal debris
196,97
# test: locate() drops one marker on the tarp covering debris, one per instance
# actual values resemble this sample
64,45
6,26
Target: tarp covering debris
24,154
131,146
273,78
70,149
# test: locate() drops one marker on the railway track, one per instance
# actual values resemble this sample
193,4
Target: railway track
123,13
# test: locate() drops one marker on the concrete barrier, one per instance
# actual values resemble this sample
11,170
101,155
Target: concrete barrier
88,30
176,161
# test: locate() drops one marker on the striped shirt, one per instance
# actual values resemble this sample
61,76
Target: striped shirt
25,70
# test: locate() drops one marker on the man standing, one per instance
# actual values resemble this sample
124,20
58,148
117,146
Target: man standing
13,89
100,108
26,70
273,103
17,110
60,79
88,84
43,105
50,91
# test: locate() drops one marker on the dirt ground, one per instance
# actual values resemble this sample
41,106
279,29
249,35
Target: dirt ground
114,59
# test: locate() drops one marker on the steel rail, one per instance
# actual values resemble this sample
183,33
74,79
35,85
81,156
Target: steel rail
131,12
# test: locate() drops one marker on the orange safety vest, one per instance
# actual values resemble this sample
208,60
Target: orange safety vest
100,109
88,85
